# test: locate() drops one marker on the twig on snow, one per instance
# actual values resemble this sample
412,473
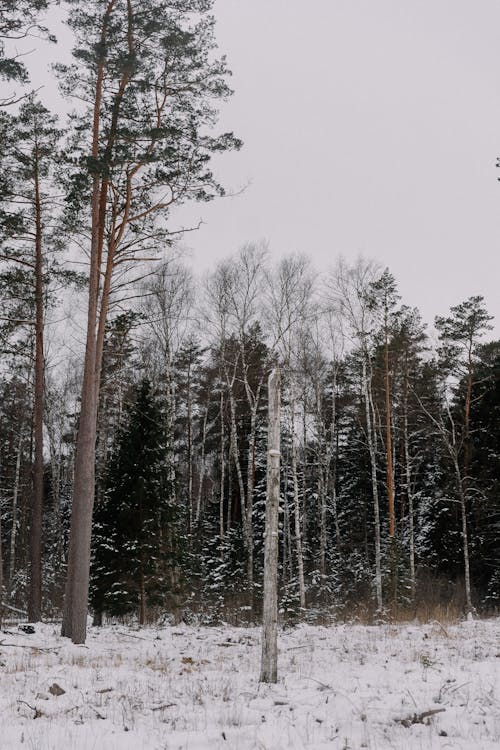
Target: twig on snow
419,718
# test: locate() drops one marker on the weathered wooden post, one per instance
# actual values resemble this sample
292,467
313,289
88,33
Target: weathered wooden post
269,662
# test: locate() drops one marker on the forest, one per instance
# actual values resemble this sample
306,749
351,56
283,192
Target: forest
133,406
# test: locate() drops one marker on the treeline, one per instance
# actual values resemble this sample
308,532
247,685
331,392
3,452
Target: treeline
390,463
153,400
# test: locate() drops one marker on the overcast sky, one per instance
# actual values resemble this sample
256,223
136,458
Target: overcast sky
370,126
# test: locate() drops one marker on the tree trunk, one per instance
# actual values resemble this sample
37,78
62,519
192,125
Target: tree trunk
15,495
269,660
142,598
35,592
222,469
201,477
1,568
388,444
296,503
409,491
77,582
370,431
465,535
190,449
247,529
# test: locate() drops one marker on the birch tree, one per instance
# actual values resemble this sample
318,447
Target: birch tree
349,293
460,334
292,308
234,295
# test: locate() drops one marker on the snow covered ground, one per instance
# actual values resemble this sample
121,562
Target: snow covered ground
185,688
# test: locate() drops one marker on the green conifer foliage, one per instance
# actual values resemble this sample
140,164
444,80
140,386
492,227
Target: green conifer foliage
133,548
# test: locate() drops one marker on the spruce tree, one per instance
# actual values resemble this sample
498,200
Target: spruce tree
133,543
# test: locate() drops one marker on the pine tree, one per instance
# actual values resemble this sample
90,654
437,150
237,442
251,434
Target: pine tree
26,226
147,68
18,20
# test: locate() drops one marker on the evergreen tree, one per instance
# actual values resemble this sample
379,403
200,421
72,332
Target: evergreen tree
18,20
28,264
133,545
148,72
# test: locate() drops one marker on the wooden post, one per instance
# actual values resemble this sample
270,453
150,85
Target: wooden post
269,662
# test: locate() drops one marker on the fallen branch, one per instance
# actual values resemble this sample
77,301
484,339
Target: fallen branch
14,609
165,705
419,718
37,711
139,637
30,645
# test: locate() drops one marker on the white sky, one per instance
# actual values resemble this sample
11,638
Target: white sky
370,126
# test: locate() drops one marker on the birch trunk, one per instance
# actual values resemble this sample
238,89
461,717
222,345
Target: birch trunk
269,660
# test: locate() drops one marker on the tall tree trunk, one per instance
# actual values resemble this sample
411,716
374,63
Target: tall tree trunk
249,496
1,569
15,495
287,531
370,434
77,581
35,592
201,478
269,660
222,468
465,535
142,597
409,490
296,503
247,529
190,449
388,444
334,452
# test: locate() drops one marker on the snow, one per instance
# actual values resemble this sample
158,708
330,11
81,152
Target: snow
344,687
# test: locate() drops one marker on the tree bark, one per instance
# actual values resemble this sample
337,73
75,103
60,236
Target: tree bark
222,469
388,444
409,491
35,592
269,660
370,433
201,476
15,495
296,503
74,624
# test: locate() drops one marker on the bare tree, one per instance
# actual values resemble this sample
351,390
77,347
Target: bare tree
292,307
349,293
233,303
269,660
